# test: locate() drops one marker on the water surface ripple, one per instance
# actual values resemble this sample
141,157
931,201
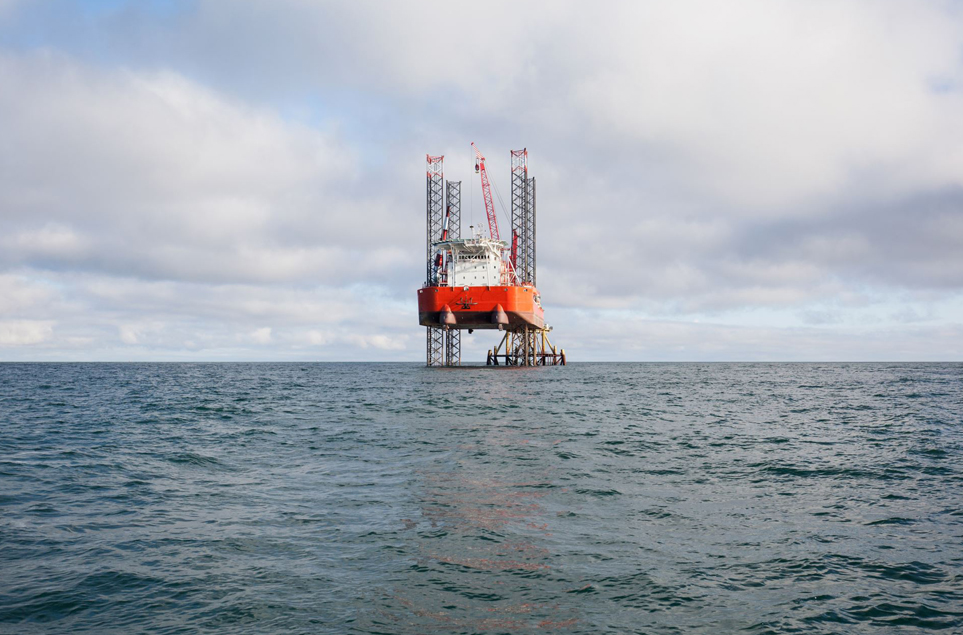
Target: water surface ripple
390,498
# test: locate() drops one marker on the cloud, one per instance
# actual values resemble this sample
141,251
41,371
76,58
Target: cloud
379,341
19,294
152,174
128,334
317,338
763,104
24,332
779,103
191,178
105,317
627,338
261,335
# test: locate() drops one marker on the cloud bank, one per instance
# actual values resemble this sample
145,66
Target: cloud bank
748,180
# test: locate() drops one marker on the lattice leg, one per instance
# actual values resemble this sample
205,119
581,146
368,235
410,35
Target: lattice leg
453,347
436,346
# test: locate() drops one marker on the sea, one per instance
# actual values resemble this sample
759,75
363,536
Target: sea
391,498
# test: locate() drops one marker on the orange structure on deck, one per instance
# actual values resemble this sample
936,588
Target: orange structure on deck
502,308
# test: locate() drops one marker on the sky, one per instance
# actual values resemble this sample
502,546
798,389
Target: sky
717,181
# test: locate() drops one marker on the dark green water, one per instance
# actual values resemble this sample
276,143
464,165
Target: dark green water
390,498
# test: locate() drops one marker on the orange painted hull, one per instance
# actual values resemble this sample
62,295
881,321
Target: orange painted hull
477,307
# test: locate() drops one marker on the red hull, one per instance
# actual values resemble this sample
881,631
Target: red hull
478,307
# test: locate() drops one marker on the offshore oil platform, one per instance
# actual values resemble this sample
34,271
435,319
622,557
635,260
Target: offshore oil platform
483,282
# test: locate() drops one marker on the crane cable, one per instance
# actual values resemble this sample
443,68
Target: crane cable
499,195
471,209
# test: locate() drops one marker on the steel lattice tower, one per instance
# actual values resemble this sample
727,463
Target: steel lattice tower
436,209
523,219
530,226
453,191
453,336
436,218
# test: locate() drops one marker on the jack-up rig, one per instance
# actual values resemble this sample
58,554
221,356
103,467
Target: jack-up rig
482,282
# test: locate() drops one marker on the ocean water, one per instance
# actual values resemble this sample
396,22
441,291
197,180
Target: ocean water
391,498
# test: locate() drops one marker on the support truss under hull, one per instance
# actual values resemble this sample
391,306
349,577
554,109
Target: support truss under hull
526,347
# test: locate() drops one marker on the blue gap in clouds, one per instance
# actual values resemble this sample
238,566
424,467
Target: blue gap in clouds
70,26
158,8
364,120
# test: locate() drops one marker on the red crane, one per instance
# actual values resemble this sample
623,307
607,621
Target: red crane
486,192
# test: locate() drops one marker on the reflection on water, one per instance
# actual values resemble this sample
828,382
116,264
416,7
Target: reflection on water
484,542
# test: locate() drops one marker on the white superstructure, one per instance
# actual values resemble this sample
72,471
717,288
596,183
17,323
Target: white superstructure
472,262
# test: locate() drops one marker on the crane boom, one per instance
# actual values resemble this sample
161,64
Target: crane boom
486,193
